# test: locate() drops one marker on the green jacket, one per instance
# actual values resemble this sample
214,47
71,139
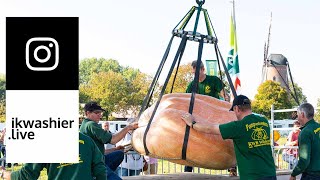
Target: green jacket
95,131
90,165
309,150
210,86
251,140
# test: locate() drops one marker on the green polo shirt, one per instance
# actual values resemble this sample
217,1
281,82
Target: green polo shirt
90,165
309,150
95,131
210,86
251,140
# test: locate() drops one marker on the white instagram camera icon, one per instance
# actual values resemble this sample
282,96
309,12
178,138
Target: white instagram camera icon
52,44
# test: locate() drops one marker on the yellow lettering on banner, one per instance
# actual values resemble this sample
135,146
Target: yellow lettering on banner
317,130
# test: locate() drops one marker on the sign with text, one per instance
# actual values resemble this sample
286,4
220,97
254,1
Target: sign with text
42,94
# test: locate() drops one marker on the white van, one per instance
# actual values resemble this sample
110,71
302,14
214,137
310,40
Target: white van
115,126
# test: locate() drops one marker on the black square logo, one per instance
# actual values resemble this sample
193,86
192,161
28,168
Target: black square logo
42,53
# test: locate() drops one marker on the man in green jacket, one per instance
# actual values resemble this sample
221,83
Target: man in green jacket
309,145
91,165
91,128
208,85
251,139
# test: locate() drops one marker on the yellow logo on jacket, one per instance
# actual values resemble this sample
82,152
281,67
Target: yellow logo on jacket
259,137
207,89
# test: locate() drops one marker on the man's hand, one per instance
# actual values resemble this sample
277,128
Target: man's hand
133,126
120,147
292,178
188,118
5,174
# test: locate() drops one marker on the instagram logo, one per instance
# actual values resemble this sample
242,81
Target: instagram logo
42,54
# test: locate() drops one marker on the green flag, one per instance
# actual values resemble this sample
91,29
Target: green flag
212,67
232,60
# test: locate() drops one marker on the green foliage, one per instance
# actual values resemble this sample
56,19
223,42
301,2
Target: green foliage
107,88
269,93
2,98
184,76
317,113
93,65
117,89
301,97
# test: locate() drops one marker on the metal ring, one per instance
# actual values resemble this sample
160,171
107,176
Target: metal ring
200,3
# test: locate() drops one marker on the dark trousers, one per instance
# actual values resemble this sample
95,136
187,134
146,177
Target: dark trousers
188,169
112,161
306,176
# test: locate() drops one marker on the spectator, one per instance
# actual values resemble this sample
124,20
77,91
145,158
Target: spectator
2,146
91,128
112,151
309,145
133,162
290,155
90,166
152,165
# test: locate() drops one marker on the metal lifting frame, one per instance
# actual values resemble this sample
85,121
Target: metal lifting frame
185,36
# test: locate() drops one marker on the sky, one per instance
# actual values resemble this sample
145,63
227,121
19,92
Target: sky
136,33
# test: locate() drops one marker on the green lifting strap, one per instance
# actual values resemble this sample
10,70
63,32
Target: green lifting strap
206,18
187,18
197,19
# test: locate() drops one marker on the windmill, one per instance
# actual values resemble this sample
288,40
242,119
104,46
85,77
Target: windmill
276,68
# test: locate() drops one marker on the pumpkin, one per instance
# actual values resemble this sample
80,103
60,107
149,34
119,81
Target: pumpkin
167,130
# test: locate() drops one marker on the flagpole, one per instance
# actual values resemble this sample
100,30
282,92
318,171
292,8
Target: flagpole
233,21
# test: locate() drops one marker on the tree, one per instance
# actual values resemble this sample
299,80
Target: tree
2,98
269,93
117,89
317,113
184,76
301,97
109,89
90,66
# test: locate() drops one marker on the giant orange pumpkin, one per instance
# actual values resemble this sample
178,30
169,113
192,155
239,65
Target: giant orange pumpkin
166,134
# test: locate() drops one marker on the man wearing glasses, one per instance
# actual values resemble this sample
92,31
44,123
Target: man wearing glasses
251,139
91,128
